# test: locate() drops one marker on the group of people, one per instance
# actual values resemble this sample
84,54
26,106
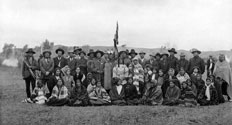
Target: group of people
125,78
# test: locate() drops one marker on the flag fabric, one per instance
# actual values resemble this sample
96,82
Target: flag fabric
116,38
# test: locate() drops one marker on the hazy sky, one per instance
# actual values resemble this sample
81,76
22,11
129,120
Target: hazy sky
203,24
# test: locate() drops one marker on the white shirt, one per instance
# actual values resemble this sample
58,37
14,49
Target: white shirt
119,89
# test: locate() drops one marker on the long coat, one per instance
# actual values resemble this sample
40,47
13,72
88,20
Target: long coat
117,98
173,63
46,66
25,70
196,61
82,63
60,63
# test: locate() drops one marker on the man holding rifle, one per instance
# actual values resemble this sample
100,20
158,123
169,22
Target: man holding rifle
28,71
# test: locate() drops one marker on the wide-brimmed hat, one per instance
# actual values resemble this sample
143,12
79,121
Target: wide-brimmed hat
91,51
98,51
123,51
60,49
142,52
195,50
158,54
82,52
30,51
165,54
135,58
47,51
133,52
153,54
172,50
182,54
76,48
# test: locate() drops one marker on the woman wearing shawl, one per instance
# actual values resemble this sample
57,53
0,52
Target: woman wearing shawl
59,95
172,95
79,95
117,93
208,94
99,96
131,94
153,94
182,76
108,68
223,71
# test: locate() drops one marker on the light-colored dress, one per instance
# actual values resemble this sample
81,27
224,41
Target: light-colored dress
108,75
68,81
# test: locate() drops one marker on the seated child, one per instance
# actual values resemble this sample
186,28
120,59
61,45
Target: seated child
99,96
153,94
160,78
196,71
59,95
172,95
92,86
208,94
117,93
79,95
131,94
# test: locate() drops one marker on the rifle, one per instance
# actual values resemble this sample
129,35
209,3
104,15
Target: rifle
32,73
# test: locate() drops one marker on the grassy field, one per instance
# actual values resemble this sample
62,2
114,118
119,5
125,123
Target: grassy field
14,112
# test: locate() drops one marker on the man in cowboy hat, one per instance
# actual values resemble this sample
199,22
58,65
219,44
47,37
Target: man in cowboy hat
60,61
164,63
29,63
91,56
98,66
183,62
196,61
82,62
72,62
172,60
142,60
46,67
76,51
132,53
152,62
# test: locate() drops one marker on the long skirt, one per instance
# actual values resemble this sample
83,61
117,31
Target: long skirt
99,102
83,102
132,101
119,102
57,102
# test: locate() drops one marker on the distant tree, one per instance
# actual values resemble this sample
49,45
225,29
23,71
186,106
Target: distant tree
7,50
48,45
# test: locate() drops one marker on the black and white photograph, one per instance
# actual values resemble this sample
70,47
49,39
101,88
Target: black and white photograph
115,62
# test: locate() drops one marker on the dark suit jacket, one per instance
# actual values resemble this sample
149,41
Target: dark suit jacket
63,62
72,65
154,64
46,67
173,63
196,61
143,63
183,63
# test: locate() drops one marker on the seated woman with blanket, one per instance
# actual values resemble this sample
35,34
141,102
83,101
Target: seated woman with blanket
99,96
172,95
131,94
117,93
79,95
59,95
188,96
153,93
208,94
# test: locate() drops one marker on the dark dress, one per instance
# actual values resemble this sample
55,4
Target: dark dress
79,96
172,96
166,83
117,99
202,99
131,94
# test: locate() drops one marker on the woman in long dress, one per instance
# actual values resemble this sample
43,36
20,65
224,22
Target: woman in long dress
108,68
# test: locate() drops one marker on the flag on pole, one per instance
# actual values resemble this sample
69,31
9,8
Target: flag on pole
116,37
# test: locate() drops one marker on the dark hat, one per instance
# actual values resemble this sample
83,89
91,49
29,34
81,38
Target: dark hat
30,51
76,48
158,54
98,51
122,52
91,51
165,54
196,50
172,50
142,52
133,52
60,49
47,51
82,52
